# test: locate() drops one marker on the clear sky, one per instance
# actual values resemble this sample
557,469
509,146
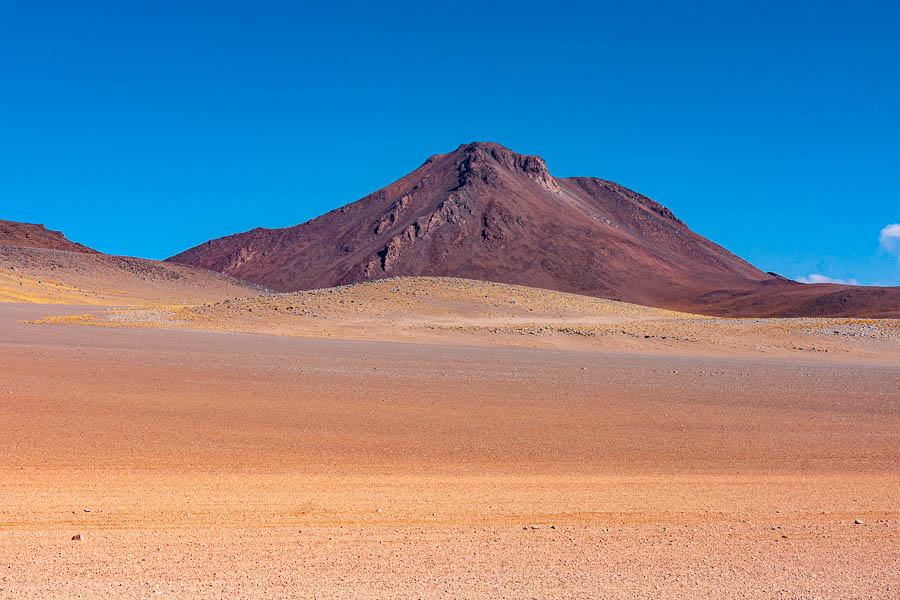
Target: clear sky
144,128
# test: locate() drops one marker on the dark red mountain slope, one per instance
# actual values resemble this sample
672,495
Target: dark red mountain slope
31,235
484,212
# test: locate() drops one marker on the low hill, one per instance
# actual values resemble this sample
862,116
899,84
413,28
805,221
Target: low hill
42,275
31,235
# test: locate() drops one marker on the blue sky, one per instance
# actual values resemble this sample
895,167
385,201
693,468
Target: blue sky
145,128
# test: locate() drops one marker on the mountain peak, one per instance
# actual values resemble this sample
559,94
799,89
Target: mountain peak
487,161
485,212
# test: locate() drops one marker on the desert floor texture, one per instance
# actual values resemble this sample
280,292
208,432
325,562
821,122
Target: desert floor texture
428,438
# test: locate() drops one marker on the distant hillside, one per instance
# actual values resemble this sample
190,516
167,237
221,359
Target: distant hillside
31,235
43,275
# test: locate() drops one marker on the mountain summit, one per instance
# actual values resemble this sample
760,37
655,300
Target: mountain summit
485,212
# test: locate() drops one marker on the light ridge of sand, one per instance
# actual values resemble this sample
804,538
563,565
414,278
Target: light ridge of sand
460,311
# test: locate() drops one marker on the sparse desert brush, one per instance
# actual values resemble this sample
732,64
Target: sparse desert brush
65,319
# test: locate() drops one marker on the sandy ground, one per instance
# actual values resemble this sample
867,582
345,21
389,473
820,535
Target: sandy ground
449,311
214,464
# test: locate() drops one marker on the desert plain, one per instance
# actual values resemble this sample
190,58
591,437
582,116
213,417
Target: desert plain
434,438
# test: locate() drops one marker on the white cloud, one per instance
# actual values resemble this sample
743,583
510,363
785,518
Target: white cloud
890,238
817,278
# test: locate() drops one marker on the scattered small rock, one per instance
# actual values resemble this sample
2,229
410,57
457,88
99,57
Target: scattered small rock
858,522
77,537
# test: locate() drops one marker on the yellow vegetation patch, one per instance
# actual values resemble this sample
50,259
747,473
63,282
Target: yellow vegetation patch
86,319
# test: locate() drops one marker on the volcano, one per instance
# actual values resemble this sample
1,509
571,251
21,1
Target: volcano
485,212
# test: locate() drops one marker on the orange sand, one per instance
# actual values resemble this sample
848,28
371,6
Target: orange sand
213,464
